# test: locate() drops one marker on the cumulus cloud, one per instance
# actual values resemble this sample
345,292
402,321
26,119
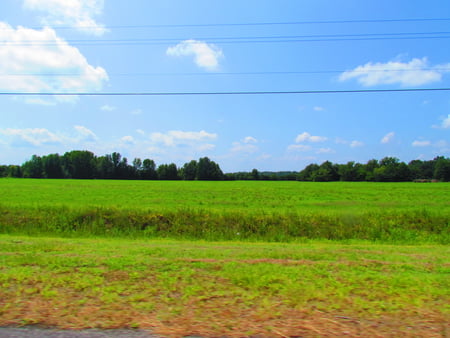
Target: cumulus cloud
79,14
40,61
178,137
31,137
307,137
388,138
206,55
413,73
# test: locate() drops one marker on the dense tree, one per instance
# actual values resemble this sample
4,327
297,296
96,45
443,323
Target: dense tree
33,168
167,172
79,164
442,169
149,170
208,170
351,172
84,164
392,170
327,172
189,171
53,166
306,174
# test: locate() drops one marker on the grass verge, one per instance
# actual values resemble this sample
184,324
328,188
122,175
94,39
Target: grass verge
233,289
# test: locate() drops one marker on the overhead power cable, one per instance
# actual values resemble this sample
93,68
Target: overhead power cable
276,23
304,72
241,39
225,92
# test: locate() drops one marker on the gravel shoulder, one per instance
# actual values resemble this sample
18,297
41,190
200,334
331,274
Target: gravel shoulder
37,332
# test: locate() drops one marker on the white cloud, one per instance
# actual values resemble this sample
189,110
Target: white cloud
250,139
247,145
206,55
79,14
238,147
318,108
85,134
355,144
325,151
307,137
107,107
178,137
388,138
299,147
127,140
31,137
445,123
423,143
39,61
413,73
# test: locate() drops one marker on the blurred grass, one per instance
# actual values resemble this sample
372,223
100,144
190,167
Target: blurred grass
230,289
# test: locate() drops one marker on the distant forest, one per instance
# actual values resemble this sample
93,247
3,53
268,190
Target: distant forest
83,164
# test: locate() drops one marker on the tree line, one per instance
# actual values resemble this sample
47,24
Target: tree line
83,164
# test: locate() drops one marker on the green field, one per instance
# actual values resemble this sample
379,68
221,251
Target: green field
268,211
266,259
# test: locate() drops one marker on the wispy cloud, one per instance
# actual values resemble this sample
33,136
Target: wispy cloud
206,56
307,137
79,14
388,138
413,73
30,65
421,143
445,124
31,137
85,134
178,137
299,147
107,107
247,145
356,144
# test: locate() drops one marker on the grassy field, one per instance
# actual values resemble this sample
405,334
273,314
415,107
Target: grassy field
266,259
268,211
233,289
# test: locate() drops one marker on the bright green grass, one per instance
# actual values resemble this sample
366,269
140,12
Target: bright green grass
269,211
245,196
226,288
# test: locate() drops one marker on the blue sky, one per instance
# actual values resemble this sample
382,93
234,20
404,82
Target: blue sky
108,46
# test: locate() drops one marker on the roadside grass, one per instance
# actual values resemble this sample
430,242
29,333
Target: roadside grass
235,289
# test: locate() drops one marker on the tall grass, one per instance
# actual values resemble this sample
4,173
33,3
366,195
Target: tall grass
266,211
391,226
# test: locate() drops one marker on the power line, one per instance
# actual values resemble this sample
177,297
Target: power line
226,92
230,40
242,39
276,23
305,72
